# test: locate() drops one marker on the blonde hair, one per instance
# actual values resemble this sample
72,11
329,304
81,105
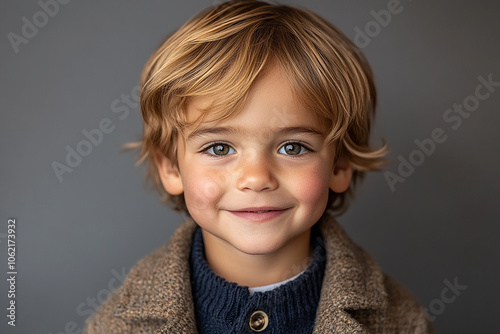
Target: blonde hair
221,51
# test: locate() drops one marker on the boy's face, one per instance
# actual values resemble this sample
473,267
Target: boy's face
258,181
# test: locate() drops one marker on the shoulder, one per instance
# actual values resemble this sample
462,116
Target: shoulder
357,297
400,314
404,311
156,286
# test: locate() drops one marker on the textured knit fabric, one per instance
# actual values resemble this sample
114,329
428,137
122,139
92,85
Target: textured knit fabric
269,287
222,307
356,297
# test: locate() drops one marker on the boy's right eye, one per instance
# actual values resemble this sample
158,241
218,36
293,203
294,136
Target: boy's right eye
219,149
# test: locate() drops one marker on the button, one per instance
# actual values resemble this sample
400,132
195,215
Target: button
258,321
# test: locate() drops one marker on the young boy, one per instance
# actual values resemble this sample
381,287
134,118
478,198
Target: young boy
257,120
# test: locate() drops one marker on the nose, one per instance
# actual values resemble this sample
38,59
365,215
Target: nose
256,174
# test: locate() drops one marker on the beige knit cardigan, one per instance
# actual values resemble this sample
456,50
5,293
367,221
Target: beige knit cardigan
356,297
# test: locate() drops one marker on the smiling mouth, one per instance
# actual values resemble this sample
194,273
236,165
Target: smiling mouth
260,209
259,214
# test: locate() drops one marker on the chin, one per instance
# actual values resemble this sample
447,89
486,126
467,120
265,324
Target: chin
261,247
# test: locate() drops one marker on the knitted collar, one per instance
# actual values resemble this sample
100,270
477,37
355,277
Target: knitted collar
224,307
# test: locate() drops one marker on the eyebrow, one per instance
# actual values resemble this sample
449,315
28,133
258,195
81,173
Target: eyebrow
219,130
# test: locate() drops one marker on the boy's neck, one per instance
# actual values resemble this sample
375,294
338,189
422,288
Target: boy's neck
257,270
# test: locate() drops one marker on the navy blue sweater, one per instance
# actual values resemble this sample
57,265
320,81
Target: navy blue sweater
224,307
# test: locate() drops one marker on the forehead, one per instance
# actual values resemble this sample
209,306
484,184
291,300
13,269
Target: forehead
270,104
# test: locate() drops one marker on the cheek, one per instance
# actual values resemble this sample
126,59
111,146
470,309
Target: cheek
312,187
203,191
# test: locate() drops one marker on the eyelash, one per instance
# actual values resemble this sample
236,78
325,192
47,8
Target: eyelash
205,149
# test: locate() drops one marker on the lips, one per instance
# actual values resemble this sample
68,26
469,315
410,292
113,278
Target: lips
260,209
259,214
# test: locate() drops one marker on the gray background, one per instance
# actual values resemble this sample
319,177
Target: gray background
75,235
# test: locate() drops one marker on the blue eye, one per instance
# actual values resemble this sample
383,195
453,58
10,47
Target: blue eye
292,149
220,149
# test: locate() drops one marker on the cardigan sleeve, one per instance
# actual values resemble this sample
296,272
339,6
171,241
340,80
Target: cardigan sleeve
104,321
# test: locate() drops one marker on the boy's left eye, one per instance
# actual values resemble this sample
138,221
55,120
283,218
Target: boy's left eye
292,149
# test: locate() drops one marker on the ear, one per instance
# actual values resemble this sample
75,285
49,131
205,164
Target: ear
169,174
341,175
